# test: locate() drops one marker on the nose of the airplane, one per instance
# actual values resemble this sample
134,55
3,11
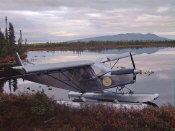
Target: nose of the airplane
137,71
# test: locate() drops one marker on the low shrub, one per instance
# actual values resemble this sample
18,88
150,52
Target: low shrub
38,112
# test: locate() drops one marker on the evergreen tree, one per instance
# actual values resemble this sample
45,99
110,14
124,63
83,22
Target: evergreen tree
7,41
25,41
20,49
2,42
2,38
20,38
6,31
11,34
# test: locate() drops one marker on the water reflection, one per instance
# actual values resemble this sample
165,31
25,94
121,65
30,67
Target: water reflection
12,84
2,86
159,60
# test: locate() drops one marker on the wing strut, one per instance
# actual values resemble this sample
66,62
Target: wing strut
115,63
132,61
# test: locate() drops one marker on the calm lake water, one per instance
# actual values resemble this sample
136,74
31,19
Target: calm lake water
159,60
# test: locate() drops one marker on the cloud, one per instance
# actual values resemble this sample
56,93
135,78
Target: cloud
63,34
93,4
162,9
61,20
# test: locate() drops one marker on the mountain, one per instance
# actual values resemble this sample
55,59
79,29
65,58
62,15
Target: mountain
127,36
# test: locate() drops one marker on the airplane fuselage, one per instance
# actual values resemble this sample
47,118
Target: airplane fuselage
85,79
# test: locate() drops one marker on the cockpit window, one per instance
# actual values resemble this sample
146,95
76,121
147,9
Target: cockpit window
85,73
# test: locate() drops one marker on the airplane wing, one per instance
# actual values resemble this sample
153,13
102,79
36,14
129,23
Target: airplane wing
28,70
114,57
53,66
74,76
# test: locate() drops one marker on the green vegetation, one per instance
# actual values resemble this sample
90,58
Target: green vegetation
38,112
8,46
99,45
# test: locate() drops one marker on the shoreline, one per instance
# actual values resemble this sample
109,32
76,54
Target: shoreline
82,46
96,48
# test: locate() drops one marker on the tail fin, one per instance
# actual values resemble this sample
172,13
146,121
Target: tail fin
18,60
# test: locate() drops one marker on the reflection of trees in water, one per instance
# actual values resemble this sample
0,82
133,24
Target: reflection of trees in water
2,86
12,84
15,87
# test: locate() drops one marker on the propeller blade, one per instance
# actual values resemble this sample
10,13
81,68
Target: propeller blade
132,60
135,77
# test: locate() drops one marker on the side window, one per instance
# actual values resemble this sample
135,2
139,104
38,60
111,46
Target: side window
75,74
86,73
81,73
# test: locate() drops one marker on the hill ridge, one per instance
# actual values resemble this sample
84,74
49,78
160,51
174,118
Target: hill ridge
123,37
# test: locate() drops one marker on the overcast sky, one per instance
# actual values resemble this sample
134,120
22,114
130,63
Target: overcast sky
61,20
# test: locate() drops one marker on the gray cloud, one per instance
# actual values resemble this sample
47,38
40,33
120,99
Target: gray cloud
94,4
60,20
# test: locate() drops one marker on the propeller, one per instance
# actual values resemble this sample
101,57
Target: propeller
134,70
132,61
133,66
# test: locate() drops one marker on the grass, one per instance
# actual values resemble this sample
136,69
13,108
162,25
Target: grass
38,112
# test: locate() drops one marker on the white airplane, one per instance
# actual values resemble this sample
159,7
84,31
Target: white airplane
86,80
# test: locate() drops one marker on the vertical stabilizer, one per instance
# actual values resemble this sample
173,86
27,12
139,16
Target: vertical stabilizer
18,60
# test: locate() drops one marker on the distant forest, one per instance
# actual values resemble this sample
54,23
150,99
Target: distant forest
8,46
100,45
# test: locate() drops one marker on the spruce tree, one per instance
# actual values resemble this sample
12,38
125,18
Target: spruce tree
2,42
20,43
2,38
6,31
11,41
20,38
11,34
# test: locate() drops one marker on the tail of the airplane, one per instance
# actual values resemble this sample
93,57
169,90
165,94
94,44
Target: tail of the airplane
18,60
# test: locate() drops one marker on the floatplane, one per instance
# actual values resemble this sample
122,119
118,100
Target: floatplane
87,81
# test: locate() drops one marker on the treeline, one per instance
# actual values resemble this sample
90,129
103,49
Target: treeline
100,45
8,46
